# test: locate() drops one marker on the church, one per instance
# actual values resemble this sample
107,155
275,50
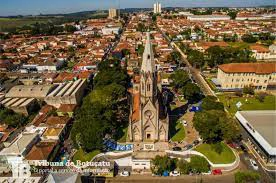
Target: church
148,119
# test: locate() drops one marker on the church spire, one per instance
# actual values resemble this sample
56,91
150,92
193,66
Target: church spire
148,57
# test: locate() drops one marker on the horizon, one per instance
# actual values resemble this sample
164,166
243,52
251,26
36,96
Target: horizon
34,7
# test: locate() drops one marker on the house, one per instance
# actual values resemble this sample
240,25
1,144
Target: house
66,110
42,152
260,52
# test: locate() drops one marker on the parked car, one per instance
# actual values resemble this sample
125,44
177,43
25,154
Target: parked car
196,142
174,173
243,148
187,147
185,123
177,148
207,173
124,174
254,164
216,172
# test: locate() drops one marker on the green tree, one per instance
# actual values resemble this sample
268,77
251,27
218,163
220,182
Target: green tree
215,56
211,103
191,92
179,78
196,58
232,14
161,164
199,164
246,176
215,126
183,166
249,38
70,28
140,49
248,90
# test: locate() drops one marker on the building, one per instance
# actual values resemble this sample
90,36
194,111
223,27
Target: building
208,17
32,91
148,117
157,7
259,129
67,93
109,30
235,76
112,13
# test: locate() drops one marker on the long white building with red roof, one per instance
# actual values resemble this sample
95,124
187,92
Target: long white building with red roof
235,76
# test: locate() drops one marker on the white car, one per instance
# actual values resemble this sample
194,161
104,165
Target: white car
207,173
185,123
174,173
124,174
254,164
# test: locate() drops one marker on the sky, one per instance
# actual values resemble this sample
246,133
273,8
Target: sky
35,7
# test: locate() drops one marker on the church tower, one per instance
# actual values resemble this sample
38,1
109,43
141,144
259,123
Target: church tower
148,121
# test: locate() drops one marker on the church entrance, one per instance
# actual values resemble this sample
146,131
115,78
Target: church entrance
148,136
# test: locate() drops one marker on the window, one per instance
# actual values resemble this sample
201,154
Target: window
148,87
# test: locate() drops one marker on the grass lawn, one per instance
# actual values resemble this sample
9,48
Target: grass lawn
83,156
251,104
227,156
124,137
239,44
179,134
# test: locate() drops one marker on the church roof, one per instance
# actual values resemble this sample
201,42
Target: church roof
148,64
136,107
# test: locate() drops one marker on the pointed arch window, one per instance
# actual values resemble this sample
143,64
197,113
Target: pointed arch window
148,87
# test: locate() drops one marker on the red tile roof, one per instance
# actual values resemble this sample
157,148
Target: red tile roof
258,68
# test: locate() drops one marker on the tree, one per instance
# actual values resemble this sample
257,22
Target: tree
232,14
141,27
11,118
191,92
154,18
249,38
261,96
140,49
161,164
196,58
246,176
215,126
70,28
211,103
248,90
125,52
215,56
199,164
183,166
179,78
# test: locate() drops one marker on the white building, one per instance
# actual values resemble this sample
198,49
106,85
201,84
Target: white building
111,30
157,7
208,17
112,13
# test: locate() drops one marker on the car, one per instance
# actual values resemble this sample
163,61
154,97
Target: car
254,164
196,142
184,122
175,173
216,172
243,148
176,148
187,147
207,173
124,174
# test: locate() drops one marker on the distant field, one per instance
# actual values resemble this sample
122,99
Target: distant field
7,24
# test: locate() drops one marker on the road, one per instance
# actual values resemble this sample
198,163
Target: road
205,88
226,178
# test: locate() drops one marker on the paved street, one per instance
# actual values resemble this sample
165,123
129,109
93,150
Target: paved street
227,178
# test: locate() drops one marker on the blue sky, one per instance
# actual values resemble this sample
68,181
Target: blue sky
24,7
